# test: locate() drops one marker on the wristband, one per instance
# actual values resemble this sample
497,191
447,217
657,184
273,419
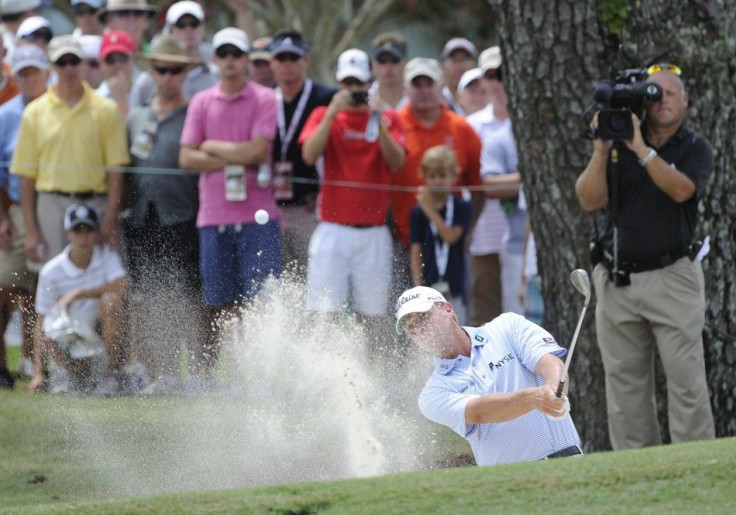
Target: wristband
648,158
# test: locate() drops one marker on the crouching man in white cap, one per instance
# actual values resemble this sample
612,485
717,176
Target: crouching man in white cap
80,292
493,385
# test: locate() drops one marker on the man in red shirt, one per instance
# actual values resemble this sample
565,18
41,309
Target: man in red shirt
361,144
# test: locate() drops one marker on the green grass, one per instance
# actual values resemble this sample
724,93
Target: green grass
45,467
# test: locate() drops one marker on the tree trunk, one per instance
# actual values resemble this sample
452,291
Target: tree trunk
554,53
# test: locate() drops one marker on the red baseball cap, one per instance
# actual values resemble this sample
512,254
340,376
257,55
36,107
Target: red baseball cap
117,41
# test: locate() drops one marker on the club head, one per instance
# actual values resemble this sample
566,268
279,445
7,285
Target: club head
581,281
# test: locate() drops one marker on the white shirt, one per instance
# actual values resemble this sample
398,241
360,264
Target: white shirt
503,355
60,276
491,226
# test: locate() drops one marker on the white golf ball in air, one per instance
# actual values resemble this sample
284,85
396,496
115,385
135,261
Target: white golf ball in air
261,217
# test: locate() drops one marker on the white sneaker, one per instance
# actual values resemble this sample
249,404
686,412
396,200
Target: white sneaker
60,382
25,367
107,387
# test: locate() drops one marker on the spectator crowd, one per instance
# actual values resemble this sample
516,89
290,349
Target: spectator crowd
149,188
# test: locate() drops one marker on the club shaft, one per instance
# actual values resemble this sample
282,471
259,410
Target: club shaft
570,351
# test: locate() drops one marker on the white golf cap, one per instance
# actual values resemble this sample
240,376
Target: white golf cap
95,4
459,44
423,67
419,299
353,63
31,25
490,59
180,9
231,36
91,45
28,56
469,77
18,6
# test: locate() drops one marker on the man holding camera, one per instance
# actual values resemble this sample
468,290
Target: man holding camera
650,287
362,144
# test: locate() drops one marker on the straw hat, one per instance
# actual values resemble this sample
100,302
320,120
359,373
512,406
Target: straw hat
169,49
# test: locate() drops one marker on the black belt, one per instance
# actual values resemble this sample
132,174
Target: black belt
361,226
573,450
646,266
82,195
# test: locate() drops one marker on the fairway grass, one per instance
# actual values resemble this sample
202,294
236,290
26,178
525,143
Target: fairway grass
40,472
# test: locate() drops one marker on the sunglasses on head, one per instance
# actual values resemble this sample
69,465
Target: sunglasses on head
124,13
224,51
40,35
171,70
493,74
387,59
660,67
117,58
183,24
72,60
287,56
81,10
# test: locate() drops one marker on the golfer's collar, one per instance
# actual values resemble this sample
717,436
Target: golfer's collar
477,336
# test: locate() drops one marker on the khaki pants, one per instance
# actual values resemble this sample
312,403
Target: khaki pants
666,308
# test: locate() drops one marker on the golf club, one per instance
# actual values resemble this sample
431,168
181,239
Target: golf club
581,281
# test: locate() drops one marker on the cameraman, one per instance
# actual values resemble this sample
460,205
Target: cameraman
657,296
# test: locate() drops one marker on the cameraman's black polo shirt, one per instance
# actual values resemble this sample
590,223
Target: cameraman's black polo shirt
651,224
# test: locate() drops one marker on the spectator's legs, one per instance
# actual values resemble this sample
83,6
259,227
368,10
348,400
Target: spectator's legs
486,296
112,306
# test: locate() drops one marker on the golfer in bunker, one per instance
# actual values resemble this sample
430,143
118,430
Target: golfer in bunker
493,385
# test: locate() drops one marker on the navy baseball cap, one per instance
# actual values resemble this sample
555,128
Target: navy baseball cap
290,42
81,214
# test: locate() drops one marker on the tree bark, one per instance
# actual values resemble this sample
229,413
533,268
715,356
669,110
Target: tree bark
554,53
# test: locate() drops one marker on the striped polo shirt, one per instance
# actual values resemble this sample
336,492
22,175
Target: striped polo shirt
503,355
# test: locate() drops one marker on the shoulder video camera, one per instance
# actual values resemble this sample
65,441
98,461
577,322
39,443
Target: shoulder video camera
620,98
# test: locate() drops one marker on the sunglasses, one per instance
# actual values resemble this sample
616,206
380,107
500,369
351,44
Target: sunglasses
40,35
224,51
117,58
92,63
12,17
84,11
351,81
124,13
171,70
494,74
387,59
287,56
656,68
69,61
183,24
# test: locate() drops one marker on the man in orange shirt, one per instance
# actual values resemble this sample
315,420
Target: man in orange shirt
427,123
8,88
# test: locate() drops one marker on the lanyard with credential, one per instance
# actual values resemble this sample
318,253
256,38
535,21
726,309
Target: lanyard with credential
442,250
285,134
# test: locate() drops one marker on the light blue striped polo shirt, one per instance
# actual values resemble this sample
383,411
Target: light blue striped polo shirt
503,355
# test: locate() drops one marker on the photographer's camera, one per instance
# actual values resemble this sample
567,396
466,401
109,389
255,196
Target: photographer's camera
620,99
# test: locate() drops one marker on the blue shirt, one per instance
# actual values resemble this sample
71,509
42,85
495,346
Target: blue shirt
420,232
503,355
10,115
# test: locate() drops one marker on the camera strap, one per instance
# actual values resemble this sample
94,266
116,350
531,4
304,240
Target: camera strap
442,248
285,134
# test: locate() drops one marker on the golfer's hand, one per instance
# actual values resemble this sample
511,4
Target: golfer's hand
565,411
547,402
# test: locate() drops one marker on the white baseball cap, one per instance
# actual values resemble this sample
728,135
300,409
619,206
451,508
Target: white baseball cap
468,77
31,25
27,56
180,9
353,63
95,4
18,6
419,299
459,44
423,67
231,36
490,59
91,45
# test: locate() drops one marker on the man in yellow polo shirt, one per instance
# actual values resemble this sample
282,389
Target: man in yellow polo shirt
69,140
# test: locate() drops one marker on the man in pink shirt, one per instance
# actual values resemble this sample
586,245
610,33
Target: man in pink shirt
227,134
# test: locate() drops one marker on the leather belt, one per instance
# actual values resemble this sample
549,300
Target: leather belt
82,195
573,450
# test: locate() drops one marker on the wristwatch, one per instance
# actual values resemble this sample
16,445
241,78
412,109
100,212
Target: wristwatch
648,158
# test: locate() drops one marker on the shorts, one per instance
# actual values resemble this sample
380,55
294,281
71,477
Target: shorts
342,258
162,257
235,260
13,270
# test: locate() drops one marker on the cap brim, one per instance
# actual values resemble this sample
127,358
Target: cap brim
407,309
145,60
356,73
28,64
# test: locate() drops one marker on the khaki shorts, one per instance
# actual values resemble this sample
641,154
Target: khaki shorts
13,269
